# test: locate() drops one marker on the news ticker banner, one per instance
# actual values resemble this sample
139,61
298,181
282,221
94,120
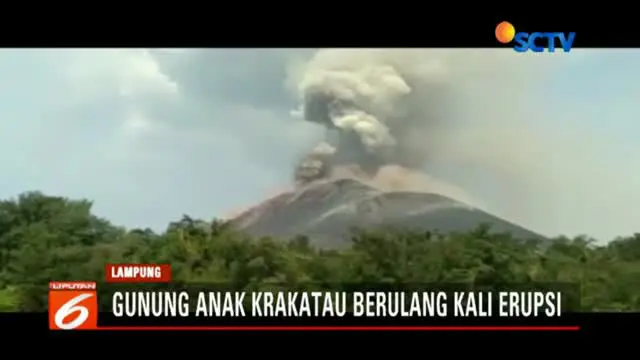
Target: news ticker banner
143,297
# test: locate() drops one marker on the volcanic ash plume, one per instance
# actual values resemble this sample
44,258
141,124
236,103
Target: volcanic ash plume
378,107
315,165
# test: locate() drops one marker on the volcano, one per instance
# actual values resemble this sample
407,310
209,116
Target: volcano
326,212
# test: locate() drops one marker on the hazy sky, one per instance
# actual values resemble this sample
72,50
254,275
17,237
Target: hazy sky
151,134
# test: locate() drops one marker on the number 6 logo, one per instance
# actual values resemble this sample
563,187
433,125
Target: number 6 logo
71,308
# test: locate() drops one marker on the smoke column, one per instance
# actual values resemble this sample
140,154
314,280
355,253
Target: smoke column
382,110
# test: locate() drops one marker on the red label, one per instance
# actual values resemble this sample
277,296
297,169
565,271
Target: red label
138,273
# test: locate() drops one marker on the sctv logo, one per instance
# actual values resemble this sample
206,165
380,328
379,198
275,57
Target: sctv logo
536,41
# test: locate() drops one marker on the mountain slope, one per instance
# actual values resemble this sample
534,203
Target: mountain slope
326,212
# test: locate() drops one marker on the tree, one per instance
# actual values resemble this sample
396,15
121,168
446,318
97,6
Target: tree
45,238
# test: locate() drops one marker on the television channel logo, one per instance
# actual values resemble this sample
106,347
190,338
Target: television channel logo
73,305
535,41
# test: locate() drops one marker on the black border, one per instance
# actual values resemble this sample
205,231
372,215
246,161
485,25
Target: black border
602,325
442,24
33,329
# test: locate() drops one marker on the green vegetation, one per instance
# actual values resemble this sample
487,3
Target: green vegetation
46,238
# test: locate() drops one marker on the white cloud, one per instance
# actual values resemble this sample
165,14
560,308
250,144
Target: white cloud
130,73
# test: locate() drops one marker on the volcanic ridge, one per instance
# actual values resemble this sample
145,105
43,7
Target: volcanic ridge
327,212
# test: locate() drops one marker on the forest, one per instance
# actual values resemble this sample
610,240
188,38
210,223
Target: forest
45,238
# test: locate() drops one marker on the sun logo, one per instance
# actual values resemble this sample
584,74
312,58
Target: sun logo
505,32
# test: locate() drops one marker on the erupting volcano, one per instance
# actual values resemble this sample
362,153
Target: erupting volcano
382,111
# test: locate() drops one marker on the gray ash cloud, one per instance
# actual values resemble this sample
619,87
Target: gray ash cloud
375,106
